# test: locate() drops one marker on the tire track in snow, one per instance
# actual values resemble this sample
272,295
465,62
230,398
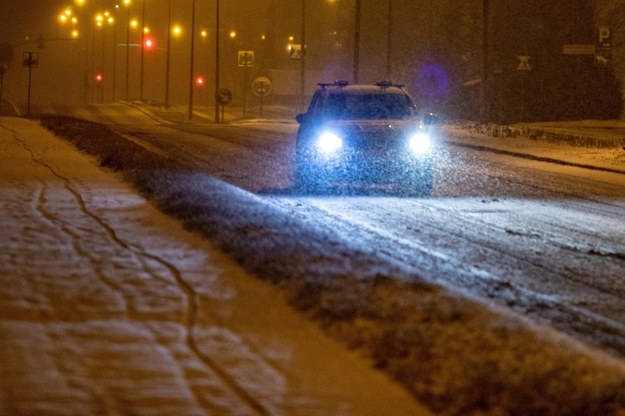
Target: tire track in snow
192,298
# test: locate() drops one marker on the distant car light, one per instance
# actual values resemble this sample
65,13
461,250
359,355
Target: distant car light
420,143
329,142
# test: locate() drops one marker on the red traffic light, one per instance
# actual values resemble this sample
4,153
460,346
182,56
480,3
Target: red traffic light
199,81
98,78
148,44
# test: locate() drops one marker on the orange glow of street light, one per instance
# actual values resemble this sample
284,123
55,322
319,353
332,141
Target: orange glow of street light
233,34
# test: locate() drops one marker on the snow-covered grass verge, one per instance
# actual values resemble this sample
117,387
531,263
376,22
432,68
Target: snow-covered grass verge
538,133
456,354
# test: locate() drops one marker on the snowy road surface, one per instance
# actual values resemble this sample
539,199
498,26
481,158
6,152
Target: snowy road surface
109,307
542,238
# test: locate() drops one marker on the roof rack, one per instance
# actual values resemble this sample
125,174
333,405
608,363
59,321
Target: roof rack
337,83
386,84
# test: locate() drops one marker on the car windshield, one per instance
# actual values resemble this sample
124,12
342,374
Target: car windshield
368,106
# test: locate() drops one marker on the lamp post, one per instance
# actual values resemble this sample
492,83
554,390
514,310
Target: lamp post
100,24
217,103
167,54
142,49
127,3
113,23
191,63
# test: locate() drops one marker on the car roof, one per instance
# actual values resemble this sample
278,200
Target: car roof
358,89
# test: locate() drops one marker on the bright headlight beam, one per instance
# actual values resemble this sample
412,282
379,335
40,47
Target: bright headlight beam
420,143
329,142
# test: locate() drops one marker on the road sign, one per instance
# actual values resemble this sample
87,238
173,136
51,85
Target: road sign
604,37
579,49
295,51
262,87
524,63
246,59
224,96
30,60
604,46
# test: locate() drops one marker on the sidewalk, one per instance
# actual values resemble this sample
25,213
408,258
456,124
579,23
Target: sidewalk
109,307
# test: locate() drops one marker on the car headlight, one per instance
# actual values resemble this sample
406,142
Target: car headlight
329,142
420,143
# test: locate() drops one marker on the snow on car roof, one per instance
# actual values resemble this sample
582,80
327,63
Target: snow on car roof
367,89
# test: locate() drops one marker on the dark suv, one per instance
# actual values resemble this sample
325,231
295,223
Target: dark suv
361,135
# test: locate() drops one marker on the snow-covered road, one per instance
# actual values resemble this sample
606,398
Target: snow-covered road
542,238
109,307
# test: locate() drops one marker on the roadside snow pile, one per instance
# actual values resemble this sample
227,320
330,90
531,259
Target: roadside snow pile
544,135
455,353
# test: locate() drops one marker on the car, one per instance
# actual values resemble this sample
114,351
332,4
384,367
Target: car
364,136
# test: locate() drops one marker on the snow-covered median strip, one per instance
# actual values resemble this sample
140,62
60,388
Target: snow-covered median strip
455,353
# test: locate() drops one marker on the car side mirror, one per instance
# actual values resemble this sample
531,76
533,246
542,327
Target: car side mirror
430,119
301,118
